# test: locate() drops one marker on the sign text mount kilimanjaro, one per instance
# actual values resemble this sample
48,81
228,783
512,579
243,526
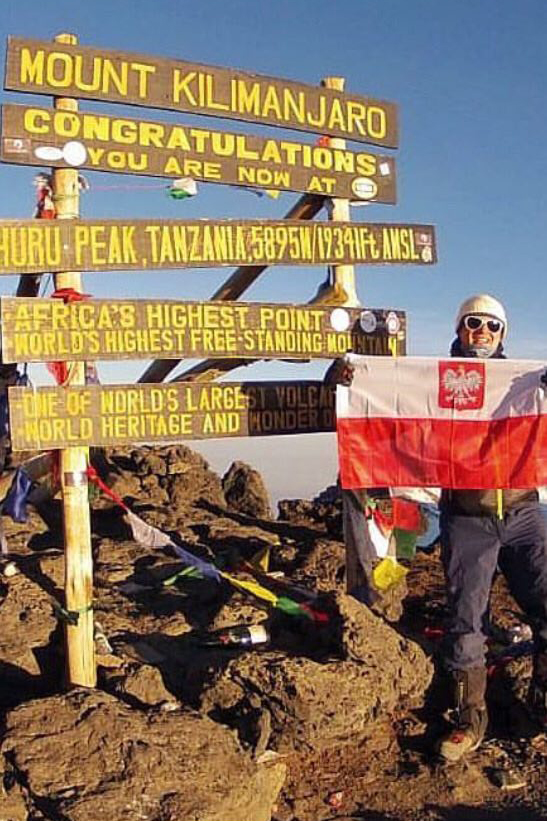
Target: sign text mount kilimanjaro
78,71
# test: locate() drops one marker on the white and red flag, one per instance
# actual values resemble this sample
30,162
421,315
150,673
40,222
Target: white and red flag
453,423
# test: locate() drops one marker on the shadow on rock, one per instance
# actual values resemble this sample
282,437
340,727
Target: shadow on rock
185,667
18,686
280,528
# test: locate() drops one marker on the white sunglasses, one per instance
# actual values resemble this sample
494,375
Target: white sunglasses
475,323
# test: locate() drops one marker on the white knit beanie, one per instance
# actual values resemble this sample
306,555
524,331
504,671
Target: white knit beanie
482,304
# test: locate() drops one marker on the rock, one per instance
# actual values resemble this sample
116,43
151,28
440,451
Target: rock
13,803
27,622
324,512
245,491
126,484
312,704
119,763
324,565
174,474
145,684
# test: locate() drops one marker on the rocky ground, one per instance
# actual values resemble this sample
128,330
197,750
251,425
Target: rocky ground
332,720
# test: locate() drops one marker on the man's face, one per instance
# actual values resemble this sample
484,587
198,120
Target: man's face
480,334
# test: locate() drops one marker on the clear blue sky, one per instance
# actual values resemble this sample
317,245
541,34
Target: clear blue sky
470,79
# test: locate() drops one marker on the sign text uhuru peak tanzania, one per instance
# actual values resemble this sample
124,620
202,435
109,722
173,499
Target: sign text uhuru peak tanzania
41,246
49,418
42,330
78,71
33,247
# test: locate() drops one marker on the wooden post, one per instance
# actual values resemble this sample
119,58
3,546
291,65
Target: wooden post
343,275
80,650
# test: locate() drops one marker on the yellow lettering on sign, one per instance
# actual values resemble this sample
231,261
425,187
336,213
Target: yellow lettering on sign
398,244
178,139
24,248
181,87
243,152
295,105
96,74
31,69
357,118
143,70
219,423
40,404
22,318
323,185
246,98
337,115
366,164
270,104
264,177
210,95
54,432
408,248
377,122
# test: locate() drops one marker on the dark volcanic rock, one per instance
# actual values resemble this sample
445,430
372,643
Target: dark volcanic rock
313,704
174,475
245,491
323,512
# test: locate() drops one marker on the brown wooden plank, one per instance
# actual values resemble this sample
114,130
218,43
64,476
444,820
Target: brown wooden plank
52,418
42,67
39,246
120,144
48,330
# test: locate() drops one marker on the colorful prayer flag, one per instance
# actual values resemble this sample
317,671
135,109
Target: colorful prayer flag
15,503
182,188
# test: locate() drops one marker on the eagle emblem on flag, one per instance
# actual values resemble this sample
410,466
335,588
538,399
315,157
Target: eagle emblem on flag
461,385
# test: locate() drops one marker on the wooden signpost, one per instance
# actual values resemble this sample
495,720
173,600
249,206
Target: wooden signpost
41,67
47,330
98,415
124,145
36,246
73,461
74,416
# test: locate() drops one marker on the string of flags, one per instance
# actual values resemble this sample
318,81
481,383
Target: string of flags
179,189
152,537
403,521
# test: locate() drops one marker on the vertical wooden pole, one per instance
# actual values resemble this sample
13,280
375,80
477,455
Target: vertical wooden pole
80,650
343,275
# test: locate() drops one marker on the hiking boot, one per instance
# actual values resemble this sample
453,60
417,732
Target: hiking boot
537,696
471,715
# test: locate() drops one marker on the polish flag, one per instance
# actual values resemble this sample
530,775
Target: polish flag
453,423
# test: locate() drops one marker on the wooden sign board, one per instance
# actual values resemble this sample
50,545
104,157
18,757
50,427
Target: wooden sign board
42,246
48,330
53,418
43,67
33,136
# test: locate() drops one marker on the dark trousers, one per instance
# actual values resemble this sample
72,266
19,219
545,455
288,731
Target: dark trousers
472,547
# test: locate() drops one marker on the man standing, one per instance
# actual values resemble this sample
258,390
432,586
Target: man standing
480,531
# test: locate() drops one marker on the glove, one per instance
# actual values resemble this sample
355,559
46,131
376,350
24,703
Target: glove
543,379
339,373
